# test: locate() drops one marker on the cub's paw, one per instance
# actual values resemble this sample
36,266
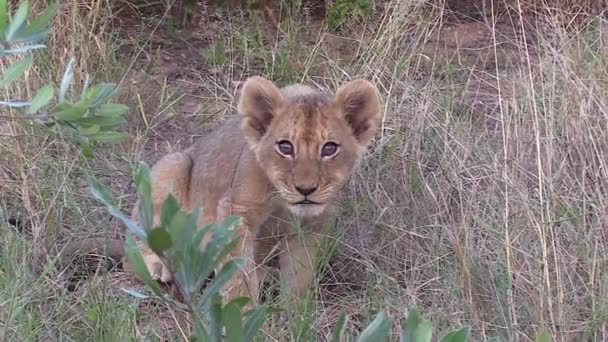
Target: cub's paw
156,267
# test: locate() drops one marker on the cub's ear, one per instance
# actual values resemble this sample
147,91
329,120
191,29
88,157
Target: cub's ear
360,105
260,99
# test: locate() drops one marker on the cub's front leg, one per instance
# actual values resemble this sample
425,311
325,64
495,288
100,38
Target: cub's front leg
297,263
300,253
170,174
246,282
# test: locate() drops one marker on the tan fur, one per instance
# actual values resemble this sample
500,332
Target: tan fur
239,170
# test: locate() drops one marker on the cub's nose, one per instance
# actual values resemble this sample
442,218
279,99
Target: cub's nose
306,190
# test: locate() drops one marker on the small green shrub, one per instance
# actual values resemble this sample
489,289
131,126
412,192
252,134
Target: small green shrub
216,55
86,116
341,11
176,240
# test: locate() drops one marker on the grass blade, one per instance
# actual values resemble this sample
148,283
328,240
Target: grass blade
339,329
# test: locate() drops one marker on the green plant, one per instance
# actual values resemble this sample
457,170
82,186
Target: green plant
342,11
216,55
177,239
87,115
414,329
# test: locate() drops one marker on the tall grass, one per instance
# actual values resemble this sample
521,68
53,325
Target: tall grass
483,201
488,186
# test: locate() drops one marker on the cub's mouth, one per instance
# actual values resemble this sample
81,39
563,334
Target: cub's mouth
306,208
307,202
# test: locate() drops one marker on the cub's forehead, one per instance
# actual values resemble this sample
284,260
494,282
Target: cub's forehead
309,119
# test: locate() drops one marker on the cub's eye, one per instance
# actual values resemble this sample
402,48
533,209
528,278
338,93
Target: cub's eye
329,149
285,148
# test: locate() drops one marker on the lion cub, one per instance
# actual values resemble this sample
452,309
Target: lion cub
285,155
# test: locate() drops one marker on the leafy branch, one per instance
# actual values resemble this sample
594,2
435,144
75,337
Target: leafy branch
87,115
177,240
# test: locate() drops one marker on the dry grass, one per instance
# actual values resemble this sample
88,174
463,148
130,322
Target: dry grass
484,200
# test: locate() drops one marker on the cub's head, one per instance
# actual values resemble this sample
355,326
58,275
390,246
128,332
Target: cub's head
308,143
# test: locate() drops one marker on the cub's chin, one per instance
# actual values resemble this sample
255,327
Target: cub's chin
306,210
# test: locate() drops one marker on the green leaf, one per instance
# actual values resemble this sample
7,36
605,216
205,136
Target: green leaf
21,49
231,222
3,17
191,269
69,112
215,318
241,301
253,323
411,324
200,332
42,98
85,87
137,261
143,183
459,335
222,242
18,20
39,25
101,193
68,75
219,281
159,240
32,38
339,329
90,130
15,70
378,330
180,225
106,122
97,94
15,104
168,211
494,339
112,110
233,321
543,336
109,137
415,329
424,332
